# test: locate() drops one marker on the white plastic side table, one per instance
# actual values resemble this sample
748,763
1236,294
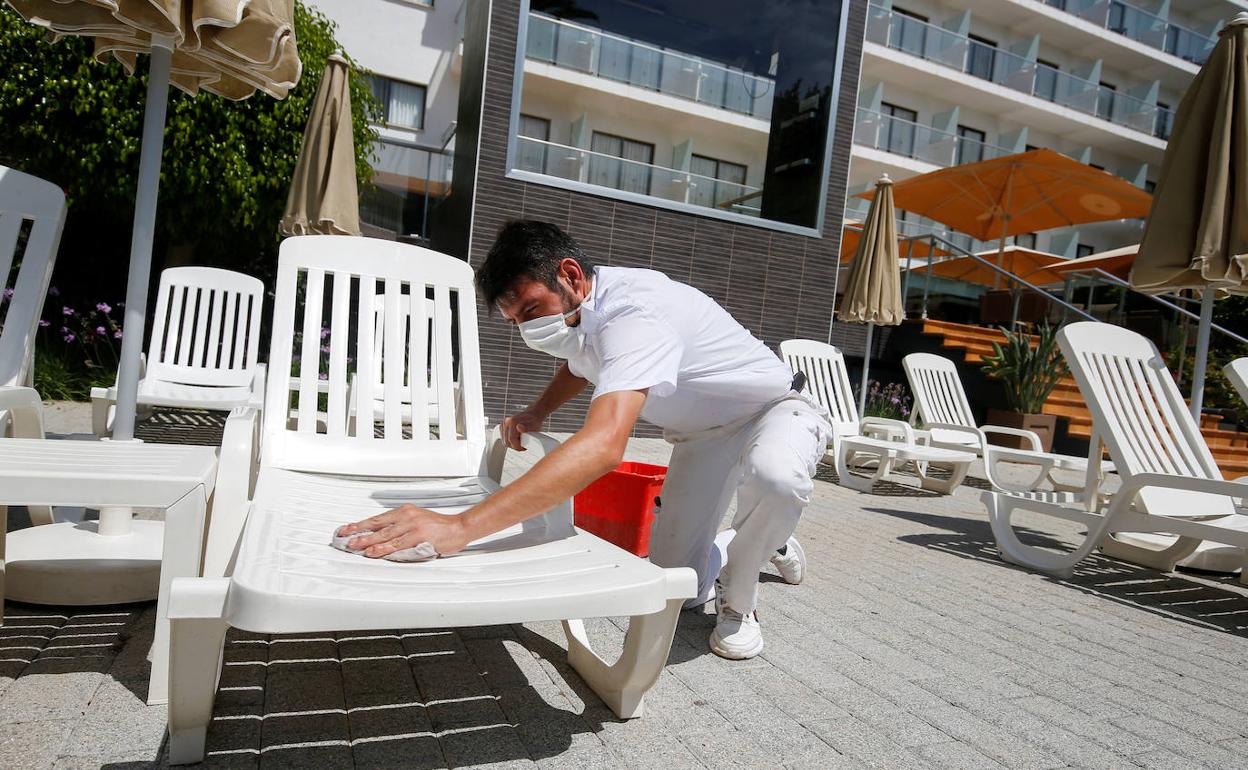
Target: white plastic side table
114,560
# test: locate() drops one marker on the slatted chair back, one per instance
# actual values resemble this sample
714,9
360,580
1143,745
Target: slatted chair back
1138,412
827,380
207,327
335,282
1237,372
379,341
34,208
937,389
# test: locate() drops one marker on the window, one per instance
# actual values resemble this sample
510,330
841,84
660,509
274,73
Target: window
1083,250
1025,241
623,164
1029,147
908,32
1150,186
533,152
748,87
1045,85
970,145
1105,101
1117,19
1058,4
897,135
1163,121
715,181
981,55
402,104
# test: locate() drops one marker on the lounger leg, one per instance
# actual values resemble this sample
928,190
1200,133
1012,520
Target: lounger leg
1163,559
623,684
1001,509
180,557
957,473
1043,474
857,482
197,636
101,410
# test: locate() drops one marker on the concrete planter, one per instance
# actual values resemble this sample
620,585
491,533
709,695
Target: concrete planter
1043,425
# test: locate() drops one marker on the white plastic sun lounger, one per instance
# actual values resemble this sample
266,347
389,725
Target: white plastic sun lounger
1237,372
947,421
316,474
856,442
1170,483
205,338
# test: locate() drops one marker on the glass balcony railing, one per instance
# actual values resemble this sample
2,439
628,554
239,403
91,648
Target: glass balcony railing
603,170
605,55
1143,26
924,143
409,182
932,43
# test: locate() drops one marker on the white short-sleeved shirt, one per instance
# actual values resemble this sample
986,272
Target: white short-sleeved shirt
702,368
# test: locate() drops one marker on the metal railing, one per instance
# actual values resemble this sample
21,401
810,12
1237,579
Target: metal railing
623,59
936,44
596,168
1140,25
915,140
409,182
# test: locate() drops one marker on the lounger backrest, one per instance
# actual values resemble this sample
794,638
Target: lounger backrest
333,283
1237,372
1138,412
207,327
937,389
827,381
379,341
25,199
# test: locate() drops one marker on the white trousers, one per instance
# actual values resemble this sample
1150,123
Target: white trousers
769,462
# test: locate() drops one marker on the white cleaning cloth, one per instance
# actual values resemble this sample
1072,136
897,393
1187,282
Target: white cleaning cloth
421,552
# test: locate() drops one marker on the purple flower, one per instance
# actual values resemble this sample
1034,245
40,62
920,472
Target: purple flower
323,376
70,337
43,324
8,292
66,310
324,348
117,334
53,291
324,332
101,330
104,307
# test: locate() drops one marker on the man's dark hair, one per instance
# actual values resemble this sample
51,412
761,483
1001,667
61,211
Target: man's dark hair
526,247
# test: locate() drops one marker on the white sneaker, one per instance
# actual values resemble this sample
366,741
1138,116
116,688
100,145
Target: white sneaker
736,636
792,563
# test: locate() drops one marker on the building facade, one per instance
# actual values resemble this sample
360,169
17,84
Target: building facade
946,82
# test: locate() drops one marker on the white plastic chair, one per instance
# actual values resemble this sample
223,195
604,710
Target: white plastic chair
1237,372
317,474
24,198
203,348
947,421
1170,482
379,337
856,441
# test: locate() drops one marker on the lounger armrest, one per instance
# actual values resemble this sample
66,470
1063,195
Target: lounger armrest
257,387
886,428
558,517
231,501
1132,486
25,409
974,433
1031,436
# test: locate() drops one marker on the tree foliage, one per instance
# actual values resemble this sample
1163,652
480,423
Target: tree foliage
226,168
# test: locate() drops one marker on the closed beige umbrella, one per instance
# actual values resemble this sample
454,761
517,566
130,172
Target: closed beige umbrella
323,195
228,47
1197,234
873,287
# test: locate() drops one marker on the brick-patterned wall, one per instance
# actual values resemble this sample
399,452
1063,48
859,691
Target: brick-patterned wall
778,285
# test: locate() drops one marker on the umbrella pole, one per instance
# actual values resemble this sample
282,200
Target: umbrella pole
141,241
866,367
1202,352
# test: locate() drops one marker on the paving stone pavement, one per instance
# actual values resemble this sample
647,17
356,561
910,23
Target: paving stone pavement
909,645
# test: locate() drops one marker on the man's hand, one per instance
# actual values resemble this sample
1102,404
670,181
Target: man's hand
518,424
407,527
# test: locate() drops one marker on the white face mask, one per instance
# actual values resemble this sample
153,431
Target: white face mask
551,334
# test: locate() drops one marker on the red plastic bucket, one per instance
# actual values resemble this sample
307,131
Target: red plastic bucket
619,507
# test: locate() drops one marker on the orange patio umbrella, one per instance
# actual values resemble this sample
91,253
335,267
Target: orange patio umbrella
917,248
1116,262
1022,193
1032,266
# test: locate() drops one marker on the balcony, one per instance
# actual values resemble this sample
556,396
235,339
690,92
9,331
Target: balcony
595,168
935,44
602,54
1140,25
919,142
409,182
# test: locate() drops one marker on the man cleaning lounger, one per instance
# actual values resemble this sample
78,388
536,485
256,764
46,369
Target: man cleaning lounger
665,352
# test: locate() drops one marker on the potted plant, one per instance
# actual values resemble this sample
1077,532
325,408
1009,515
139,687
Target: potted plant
1029,369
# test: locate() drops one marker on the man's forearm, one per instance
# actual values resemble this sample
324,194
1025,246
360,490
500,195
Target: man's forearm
563,387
